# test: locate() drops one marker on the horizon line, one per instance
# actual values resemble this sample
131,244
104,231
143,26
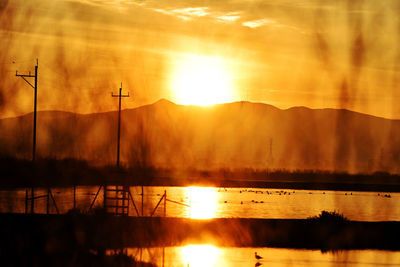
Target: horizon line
201,106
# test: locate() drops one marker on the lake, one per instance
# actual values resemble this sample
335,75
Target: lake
206,255
210,202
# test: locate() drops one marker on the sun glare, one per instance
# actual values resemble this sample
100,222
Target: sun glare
199,80
203,202
199,255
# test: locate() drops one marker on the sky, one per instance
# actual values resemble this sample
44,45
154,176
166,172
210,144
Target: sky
314,53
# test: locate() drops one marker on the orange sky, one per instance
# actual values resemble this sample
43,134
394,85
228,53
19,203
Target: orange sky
341,54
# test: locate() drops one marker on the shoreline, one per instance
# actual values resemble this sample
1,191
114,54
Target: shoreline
103,231
70,172
180,182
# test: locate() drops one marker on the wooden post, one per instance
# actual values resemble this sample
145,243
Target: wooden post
26,200
163,257
32,199
125,200
48,201
74,196
165,203
105,198
142,200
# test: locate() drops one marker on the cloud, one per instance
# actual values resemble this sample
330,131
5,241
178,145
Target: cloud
229,17
116,4
189,13
192,11
185,13
258,23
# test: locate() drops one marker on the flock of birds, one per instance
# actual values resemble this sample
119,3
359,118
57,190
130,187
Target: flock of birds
282,192
385,195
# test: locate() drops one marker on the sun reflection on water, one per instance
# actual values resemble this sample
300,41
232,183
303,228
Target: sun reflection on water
203,202
200,255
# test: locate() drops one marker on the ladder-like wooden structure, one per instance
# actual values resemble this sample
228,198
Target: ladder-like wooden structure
116,199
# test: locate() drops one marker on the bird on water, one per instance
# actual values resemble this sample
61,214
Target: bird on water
258,257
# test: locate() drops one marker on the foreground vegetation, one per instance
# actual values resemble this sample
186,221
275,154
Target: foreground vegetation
78,234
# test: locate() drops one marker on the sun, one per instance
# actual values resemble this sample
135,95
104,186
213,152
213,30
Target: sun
200,80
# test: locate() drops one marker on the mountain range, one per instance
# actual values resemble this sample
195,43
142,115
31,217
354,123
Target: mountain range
233,135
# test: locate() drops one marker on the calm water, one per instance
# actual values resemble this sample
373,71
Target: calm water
208,256
211,202
236,202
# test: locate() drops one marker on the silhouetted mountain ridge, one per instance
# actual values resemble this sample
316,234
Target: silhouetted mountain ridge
232,135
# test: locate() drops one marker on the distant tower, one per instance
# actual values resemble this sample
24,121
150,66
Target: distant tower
270,157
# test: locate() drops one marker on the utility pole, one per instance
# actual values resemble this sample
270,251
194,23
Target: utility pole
120,95
125,189
24,76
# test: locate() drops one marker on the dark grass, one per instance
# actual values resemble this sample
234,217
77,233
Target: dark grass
330,216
